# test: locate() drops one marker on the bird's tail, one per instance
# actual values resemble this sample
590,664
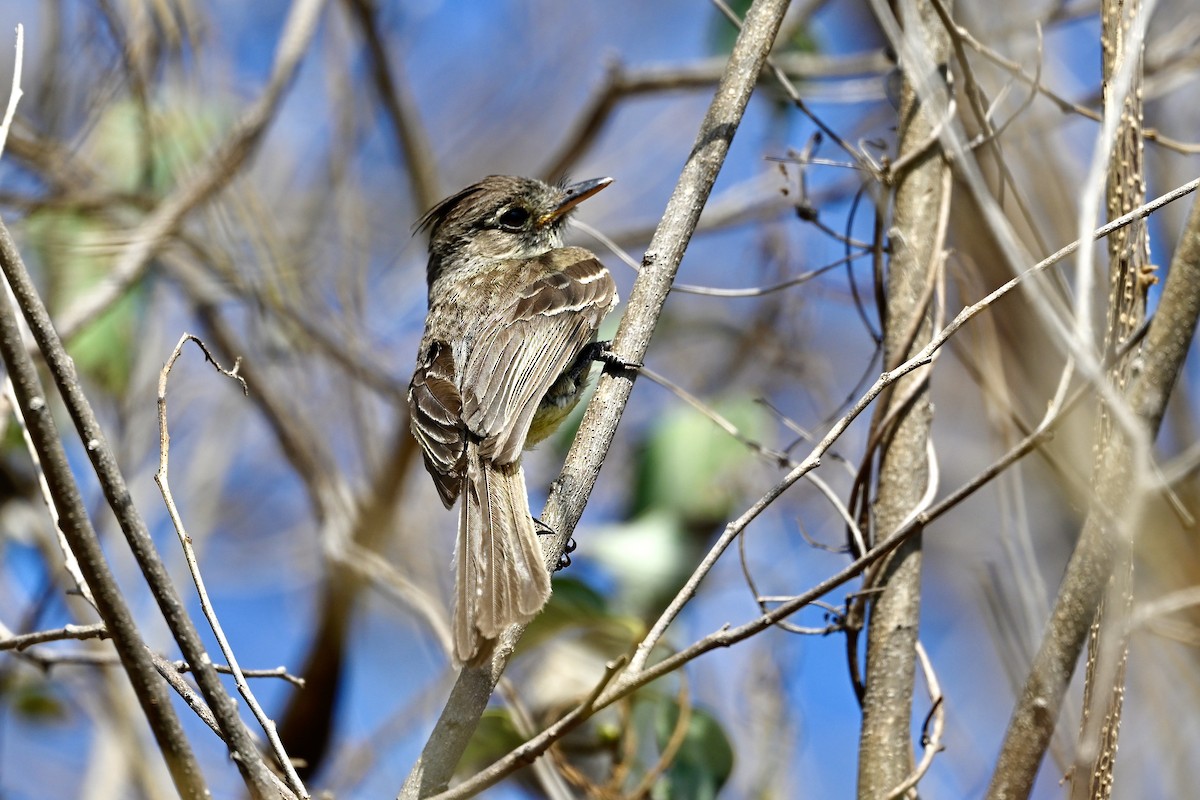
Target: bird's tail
501,577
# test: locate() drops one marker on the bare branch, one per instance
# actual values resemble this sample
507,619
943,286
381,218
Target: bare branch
1166,346
77,528
14,96
185,542
74,632
103,460
221,168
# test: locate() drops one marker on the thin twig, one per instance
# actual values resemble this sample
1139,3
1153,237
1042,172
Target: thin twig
87,658
116,493
15,92
185,542
1016,70
73,632
83,542
920,359
630,680
931,731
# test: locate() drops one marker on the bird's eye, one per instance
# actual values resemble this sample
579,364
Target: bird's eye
514,219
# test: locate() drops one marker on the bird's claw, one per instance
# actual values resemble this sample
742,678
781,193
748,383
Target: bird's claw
603,352
564,560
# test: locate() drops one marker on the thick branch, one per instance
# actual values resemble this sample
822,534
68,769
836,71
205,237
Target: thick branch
885,753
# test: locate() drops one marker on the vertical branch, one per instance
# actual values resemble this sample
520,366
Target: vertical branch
1129,280
570,491
917,236
1166,346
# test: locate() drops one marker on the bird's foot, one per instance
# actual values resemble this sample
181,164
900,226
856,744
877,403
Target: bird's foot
603,352
564,560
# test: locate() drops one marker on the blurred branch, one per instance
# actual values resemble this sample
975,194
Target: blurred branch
136,79
14,95
74,632
103,460
221,168
411,138
1165,349
570,491
785,83
161,477
1017,71
621,83
351,357
300,444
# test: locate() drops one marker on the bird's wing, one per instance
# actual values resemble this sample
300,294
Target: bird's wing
529,343
435,408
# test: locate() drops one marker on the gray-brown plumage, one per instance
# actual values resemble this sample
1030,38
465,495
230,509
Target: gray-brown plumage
503,360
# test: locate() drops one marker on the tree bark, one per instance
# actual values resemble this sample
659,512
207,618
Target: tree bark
916,238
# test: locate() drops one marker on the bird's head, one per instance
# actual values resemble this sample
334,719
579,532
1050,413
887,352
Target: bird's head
501,217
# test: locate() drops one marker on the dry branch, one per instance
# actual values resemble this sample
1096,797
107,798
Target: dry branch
77,528
103,460
885,757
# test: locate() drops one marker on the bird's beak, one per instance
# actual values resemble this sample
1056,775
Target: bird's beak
573,195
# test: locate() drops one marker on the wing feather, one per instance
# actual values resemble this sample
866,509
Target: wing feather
435,407
529,343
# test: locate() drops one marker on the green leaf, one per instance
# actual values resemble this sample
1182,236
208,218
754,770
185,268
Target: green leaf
704,760
575,605
66,245
690,466
34,699
495,736
648,557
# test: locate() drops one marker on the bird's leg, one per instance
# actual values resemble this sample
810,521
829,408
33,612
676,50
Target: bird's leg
564,560
603,352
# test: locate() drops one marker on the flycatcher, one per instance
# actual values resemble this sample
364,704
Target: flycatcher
508,345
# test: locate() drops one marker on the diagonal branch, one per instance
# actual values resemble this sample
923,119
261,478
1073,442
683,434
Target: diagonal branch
104,461
77,528
1166,346
221,168
570,491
